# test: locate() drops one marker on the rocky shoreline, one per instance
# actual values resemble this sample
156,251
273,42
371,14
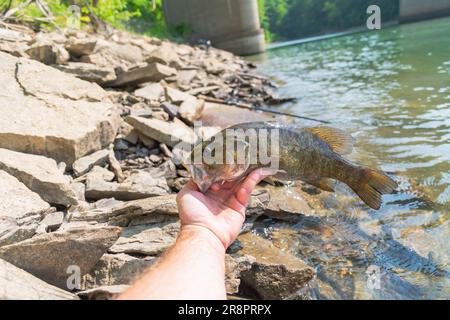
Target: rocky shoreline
88,175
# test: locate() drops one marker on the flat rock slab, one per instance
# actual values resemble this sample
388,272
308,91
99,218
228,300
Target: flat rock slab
89,72
103,293
86,163
170,133
116,269
17,284
150,240
139,185
148,210
275,274
152,72
48,112
39,174
48,256
21,210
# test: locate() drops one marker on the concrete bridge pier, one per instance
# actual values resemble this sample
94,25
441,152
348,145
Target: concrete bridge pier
232,25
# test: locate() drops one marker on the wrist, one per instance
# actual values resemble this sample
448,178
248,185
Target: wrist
203,234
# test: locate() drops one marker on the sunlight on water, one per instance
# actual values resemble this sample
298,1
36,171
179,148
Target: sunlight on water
391,90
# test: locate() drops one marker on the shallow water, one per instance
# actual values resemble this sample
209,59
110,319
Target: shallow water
391,90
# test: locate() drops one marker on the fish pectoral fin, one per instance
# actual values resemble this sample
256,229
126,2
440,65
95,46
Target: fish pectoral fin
339,141
324,184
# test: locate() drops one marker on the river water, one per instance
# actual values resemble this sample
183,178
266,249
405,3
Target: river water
391,90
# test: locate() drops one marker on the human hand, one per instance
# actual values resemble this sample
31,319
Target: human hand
221,210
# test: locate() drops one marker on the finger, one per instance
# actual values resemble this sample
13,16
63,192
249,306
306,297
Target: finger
244,192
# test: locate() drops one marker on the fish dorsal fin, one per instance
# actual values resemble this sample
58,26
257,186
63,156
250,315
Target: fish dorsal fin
338,140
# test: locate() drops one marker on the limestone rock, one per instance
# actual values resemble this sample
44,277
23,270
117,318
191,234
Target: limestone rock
81,46
274,202
149,240
51,222
116,269
166,55
48,112
16,284
143,211
170,133
21,210
86,163
48,256
40,174
275,274
234,267
138,185
153,72
89,72
103,293
152,91
191,109
176,97
48,53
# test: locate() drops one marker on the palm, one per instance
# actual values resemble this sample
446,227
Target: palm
221,209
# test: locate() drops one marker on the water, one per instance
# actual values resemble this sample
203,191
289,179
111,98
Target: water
391,90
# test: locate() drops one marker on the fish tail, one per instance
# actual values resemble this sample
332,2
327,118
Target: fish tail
370,184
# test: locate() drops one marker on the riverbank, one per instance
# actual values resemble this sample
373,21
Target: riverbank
88,176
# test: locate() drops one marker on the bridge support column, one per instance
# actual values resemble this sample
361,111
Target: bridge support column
232,25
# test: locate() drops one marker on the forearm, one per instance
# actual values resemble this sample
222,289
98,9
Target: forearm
193,268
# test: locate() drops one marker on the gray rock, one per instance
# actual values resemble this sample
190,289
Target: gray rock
176,97
153,72
40,174
99,174
21,210
165,54
48,112
48,256
89,72
48,53
86,163
152,91
273,202
149,240
169,133
275,274
139,185
16,284
150,210
81,47
234,267
116,269
51,222
103,293
191,109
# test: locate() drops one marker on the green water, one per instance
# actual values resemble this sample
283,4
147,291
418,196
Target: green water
391,90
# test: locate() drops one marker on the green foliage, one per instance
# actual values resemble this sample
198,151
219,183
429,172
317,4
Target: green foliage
293,19
141,16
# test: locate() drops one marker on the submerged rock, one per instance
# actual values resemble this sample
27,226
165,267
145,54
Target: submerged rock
275,274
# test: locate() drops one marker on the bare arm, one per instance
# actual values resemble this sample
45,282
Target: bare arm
194,268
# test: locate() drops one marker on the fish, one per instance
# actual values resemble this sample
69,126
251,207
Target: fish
314,155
